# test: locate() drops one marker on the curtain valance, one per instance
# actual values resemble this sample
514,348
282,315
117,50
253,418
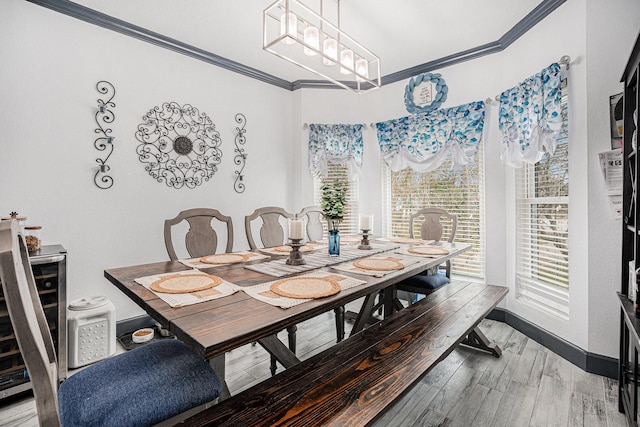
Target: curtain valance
423,142
335,144
530,117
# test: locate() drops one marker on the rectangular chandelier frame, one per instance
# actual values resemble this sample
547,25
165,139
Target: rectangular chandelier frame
284,24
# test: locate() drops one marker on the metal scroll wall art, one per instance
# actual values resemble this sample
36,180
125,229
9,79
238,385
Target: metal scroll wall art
179,145
241,157
104,142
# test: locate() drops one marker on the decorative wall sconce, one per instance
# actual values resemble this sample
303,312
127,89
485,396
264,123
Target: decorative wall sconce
241,157
104,142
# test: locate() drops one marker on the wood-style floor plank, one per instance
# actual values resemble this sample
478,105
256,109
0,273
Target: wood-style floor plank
528,386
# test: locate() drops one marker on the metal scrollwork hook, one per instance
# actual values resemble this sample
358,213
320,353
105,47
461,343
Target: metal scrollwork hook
240,158
104,142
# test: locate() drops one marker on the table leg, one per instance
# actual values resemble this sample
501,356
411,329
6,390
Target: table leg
364,314
218,365
339,314
478,340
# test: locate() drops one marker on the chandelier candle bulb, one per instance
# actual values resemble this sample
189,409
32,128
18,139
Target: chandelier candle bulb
288,26
295,229
346,60
366,222
312,38
330,49
362,69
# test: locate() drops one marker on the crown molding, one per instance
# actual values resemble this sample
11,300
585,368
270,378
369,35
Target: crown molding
109,22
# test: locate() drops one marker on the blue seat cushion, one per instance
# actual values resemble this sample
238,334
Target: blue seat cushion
426,282
138,388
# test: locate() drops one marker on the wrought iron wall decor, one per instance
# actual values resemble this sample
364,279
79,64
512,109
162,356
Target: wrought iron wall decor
104,142
241,157
179,144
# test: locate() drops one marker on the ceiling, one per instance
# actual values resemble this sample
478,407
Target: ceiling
403,33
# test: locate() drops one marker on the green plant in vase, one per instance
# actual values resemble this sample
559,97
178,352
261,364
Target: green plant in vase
334,199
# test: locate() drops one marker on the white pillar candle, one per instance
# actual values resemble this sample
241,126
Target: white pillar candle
295,229
366,222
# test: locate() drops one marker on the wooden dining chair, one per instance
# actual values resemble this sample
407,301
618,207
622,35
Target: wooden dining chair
201,239
432,223
312,215
141,387
272,233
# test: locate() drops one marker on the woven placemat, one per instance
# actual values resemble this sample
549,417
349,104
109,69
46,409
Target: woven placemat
287,248
379,264
405,240
185,283
305,287
428,250
224,258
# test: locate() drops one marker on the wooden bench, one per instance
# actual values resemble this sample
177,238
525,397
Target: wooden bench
353,382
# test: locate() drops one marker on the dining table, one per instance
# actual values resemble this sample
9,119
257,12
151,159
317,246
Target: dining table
241,316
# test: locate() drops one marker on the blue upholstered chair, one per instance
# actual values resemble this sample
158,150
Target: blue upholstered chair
141,387
431,228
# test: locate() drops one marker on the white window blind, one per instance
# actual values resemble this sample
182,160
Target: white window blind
542,222
459,191
339,171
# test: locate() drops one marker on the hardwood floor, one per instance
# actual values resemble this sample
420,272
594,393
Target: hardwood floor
528,386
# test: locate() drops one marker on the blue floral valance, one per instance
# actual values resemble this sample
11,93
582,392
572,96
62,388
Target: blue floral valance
424,142
530,117
335,144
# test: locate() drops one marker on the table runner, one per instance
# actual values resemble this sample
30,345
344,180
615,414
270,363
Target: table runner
263,291
316,259
195,262
350,268
179,300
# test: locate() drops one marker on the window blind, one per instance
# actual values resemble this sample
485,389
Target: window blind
542,221
459,190
337,171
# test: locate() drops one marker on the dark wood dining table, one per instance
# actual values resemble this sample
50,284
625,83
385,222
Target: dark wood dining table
212,328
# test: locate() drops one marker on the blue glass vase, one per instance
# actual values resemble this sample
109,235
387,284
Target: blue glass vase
334,243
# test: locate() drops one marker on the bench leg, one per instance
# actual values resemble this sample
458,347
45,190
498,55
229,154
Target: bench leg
218,366
339,312
477,339
278,352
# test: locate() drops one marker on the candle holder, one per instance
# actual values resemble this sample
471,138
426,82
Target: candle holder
295,256
365,244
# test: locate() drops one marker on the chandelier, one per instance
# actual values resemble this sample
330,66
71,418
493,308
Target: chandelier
296,33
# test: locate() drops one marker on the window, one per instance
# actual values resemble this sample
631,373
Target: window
459,190
339,171
542,228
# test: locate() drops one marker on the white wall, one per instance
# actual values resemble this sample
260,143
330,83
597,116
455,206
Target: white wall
612,28
50,66
567,31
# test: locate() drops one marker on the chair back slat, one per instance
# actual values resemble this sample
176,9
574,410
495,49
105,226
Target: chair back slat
271,230
29,322
432,225
313,218
201,239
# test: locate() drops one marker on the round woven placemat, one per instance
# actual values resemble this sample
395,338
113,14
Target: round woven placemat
287,248
405,240
224,258
428,250
185,283
379,264
305,287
